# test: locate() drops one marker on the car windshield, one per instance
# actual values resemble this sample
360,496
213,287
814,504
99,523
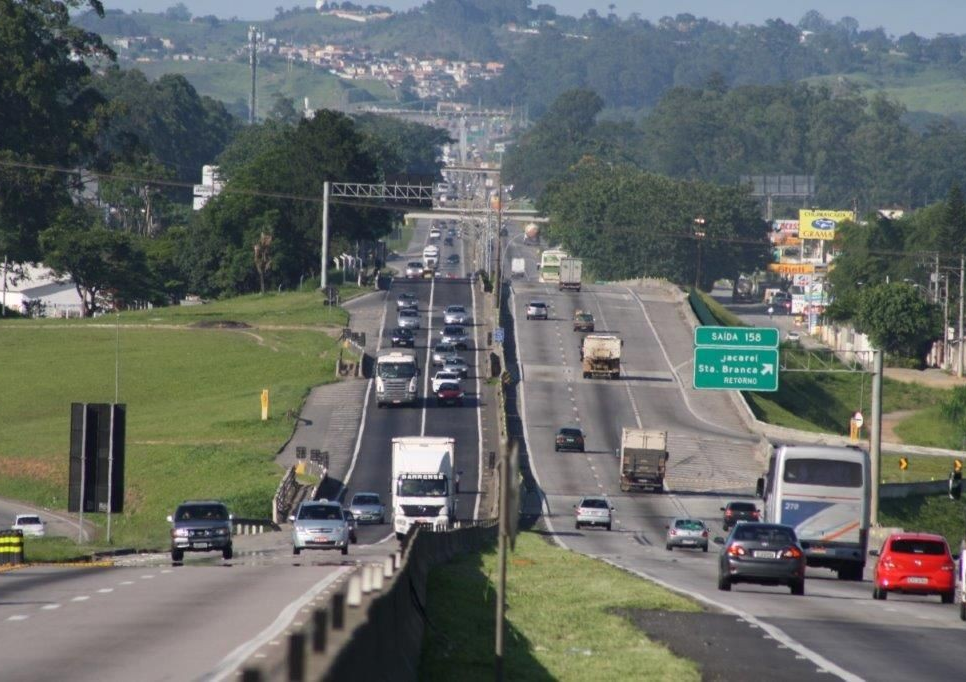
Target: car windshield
402,331
422,487
766,534
449,386
446,376
202,512
455,361
29,520
585,317
456,309
537,304
453,330
408,313
742,506
396,370
365,499
594,504
320,512
570,432
688,524
415,264
927,547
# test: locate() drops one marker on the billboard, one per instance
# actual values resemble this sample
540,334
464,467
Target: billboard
819,224
786,226
791,268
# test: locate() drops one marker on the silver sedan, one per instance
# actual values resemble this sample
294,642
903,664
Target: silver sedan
368,508
456,314
593,511
685,532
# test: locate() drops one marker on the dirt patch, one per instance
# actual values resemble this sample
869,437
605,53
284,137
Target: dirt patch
36,469
889,422
219,324
934,378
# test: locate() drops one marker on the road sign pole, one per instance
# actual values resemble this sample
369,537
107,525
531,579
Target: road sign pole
875,436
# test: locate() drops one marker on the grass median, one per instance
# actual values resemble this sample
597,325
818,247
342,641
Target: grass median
192,396
561,623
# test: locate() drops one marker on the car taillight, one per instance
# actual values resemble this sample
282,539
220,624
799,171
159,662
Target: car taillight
949,567
673,532
728,513
887,565
704,534
754,515
791,553
736,550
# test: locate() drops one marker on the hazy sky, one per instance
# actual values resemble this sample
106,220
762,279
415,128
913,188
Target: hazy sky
925,17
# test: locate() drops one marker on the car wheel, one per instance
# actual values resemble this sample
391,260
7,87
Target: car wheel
879,593
355,539
608,526
556,448
724,583
345,550
948,597
704,549
177,556
577,526
296,551
798,588
382,520
962,610
227,553
668,547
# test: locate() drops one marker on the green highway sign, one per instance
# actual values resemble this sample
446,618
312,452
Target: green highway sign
736,337
736,369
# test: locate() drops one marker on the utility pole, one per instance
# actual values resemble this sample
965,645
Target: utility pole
875,437
962,274
503,539
499,245
935,298
945,360
253,61
324,255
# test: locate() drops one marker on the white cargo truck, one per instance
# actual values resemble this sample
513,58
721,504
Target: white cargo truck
430,260
571,270
422,483
643,459
518,268
397,378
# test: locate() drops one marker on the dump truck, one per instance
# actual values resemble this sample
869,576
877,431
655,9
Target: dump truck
571,271
600,356
643,459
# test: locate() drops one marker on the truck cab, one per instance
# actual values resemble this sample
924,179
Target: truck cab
422,483
397,380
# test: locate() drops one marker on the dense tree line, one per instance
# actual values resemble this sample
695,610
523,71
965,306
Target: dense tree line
858,150
625,222
121,226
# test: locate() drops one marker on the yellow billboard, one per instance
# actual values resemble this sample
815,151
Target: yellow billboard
818,224
791,268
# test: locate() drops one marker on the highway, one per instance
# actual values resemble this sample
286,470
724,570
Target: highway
837,625
149,620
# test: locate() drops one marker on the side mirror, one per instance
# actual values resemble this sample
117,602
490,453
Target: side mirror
667,527
721,508
575,506
873,552
291,517
170,518
613,509
760,487
719,540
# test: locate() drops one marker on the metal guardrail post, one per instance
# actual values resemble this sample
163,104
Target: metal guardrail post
320,623
296,657
338,611
252,675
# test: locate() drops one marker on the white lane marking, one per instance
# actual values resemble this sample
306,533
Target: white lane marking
388,537
479,406
627,386
18,617
167,570
50,607
775,632
667,359
126,582
105,590
82,597
429,356
365,404
240,654
146,577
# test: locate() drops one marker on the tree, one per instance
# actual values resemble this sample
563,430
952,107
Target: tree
283,110
104,265
897,319
47,112
178,13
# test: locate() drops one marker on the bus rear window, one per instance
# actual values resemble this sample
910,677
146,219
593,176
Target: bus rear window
825,472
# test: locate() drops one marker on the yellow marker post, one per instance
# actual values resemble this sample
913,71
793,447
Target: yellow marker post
264,404
903,463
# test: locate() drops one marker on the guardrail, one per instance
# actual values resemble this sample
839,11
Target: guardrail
372,627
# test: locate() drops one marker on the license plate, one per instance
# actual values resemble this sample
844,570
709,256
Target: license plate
200,545
758,554
918,581
687,542
818,550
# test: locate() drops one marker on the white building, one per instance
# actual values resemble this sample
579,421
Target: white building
211,186
39,289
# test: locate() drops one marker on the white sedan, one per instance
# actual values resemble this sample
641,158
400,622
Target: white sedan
30,524
456,314
444,377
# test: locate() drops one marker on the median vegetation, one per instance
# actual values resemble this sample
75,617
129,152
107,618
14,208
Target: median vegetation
191,378
561,619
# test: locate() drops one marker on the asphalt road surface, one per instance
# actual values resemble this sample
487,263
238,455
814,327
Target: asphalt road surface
837,626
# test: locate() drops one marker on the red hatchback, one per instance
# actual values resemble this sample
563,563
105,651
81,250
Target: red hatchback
915,563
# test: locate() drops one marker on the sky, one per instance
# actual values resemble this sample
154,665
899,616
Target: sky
925,17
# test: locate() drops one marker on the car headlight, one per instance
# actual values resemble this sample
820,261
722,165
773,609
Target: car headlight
180,532
221,531
379,386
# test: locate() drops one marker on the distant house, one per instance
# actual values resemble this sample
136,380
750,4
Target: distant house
39,293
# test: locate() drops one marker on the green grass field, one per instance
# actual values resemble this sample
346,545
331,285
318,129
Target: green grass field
930,89
561,620
192,397
927,514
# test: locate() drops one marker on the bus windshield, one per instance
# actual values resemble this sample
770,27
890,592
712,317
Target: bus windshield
823,472
422,487
396,370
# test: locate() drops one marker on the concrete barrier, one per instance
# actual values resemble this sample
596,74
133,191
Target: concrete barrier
372,626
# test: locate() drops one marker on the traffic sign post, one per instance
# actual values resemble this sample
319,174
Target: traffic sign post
736,369
736,358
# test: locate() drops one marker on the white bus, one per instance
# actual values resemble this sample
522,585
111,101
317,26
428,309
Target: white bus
550,265
823,493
